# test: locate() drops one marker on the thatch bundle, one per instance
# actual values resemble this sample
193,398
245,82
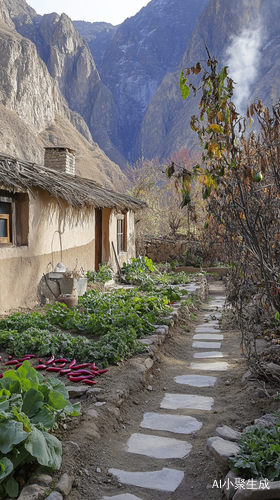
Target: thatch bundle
77,191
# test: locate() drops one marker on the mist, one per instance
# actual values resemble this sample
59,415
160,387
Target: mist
243,59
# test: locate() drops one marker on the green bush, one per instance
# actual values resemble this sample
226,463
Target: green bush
29,410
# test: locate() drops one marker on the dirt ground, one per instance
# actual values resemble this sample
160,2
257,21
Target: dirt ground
101,439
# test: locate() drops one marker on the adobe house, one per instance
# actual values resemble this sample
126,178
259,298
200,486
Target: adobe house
50,215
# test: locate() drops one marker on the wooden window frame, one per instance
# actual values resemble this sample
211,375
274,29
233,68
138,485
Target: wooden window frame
18,221
5,239
11,226
121,235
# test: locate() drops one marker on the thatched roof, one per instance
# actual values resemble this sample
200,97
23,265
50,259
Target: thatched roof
77,191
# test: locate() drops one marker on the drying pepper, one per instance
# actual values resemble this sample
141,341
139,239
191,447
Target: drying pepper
77,367
102,371
64,372
72,363
79,379
81,372
52,369
18,365
14,362
61,360
50,360
88,382
40,367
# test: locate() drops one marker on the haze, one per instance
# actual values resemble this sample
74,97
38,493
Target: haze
110,11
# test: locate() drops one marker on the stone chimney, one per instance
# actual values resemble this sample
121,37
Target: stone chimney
61,159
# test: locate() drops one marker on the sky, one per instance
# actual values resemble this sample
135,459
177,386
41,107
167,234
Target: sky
110,11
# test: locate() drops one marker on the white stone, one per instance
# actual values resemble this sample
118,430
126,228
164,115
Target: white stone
206,345
218,366
162,480
178,424
206,329
196,380
125,496
208,336
211,354
221,450
157,446
186,401
227,433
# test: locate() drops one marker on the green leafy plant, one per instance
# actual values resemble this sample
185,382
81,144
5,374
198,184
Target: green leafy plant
29,410
103,274
259,454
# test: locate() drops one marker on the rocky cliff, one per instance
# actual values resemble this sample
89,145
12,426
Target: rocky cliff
246,36
31,101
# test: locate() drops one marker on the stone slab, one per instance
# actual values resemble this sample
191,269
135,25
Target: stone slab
162,480
186,401
178,424
196,380
221,450
157,446
206,329
211,354
208,336
218,366
206,345
125,496
227,433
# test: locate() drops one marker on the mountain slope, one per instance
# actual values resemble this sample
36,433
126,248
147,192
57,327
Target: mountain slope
246,36
31,103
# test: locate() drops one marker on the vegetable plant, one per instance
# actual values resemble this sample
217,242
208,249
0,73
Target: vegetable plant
103,274
29,410
259,454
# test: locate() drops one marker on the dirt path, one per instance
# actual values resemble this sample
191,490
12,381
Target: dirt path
103,440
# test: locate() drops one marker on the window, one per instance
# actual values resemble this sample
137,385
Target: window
14,215
121,233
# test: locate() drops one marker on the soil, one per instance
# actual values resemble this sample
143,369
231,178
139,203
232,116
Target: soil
102,440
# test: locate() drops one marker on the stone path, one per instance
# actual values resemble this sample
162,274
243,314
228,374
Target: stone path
168,479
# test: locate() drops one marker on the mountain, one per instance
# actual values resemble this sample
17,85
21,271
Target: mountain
144,48
98,36
33,111
244,35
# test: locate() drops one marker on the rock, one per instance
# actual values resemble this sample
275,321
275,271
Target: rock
149,388
258,492
95,390
174,315
273,367
160,331
148,363
65,485
55,496
76,391
229,489
266,421
70,446
248,377
100,403
32,492
165,327
91,412
221,450
227,433
43,480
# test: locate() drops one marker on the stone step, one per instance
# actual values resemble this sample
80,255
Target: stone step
196,380
208,336
218,366
206,345
204,355
162,480
124,496
206,329
178,424
157,446
186,402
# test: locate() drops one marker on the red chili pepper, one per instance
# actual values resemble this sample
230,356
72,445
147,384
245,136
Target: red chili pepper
40,367
40,360
50,360
61,360
14,362
79,379
77,367
64,372
1,375
23,359
18,365
93,366
30,356
52,369
62,365
72,363
10,357
88,382
102,371
81,372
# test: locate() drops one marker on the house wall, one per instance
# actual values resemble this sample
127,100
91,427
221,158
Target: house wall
56,233
130,239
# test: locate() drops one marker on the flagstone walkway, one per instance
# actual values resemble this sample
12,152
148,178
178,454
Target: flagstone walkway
171,416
